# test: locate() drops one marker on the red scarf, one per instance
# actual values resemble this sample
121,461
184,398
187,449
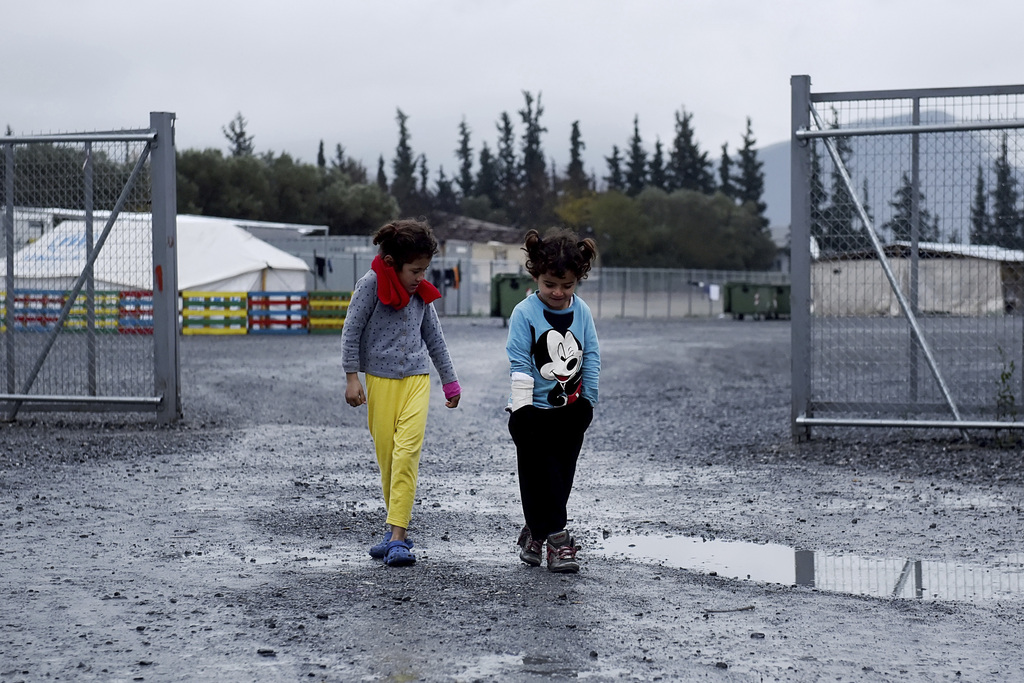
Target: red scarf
390,290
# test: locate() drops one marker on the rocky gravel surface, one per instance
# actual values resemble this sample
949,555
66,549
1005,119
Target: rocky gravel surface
232,546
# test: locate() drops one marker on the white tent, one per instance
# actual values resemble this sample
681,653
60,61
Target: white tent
953,279
214,254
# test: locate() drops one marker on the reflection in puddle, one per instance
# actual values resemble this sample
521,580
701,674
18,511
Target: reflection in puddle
531,667
879,577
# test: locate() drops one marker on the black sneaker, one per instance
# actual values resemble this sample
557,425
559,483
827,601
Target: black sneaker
531,548
562,553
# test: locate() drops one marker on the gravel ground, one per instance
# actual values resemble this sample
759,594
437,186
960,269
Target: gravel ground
233,546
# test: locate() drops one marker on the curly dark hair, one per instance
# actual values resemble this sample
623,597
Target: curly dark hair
406,240
558,252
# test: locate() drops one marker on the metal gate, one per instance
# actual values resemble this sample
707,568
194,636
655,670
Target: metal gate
907,261
89,272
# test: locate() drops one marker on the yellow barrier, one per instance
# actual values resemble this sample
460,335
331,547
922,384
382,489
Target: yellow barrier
327,311
214,312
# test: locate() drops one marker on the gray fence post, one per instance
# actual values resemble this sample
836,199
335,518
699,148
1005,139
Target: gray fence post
800,264
166,367
9,283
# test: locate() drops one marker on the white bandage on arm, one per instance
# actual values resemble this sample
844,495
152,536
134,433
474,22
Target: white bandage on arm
522,391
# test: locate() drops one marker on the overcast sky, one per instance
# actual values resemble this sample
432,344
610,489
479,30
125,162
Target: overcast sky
303,71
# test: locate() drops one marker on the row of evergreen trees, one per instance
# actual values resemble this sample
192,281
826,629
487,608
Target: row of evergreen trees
995,218
1001,222
512,183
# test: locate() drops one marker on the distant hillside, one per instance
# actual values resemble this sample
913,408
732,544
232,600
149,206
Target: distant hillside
948,168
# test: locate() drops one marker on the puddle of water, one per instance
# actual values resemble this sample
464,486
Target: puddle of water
879,577
530,667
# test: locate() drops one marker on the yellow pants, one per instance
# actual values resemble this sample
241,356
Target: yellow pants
397,410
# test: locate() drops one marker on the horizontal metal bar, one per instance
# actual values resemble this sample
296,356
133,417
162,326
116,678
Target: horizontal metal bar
42,398
804,134
919,93
112,136
929,424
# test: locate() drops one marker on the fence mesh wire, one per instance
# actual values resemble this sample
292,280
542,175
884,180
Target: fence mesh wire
104,345
946,208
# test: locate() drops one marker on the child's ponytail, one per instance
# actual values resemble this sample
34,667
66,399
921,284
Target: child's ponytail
558,252
405,240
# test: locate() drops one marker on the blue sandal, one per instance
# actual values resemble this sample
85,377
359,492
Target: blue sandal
381,549
378,551
399,554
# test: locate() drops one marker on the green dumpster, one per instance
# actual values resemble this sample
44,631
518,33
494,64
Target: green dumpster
782,298
507,290
746,298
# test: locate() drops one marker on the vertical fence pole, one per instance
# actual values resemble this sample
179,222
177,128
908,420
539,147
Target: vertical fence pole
668,312
646,274
915,235
90,282
625,283
166,365
689,293
9,285
800,264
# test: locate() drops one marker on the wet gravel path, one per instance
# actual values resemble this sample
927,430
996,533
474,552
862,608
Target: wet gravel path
233,546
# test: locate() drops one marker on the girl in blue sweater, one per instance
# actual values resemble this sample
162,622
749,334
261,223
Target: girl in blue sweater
392,334
554,361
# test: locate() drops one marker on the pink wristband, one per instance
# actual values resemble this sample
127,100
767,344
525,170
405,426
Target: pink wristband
452,389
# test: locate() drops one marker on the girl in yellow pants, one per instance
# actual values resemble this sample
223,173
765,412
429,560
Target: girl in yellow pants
392,334
397,410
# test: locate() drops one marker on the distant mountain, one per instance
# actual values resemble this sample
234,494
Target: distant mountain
948,170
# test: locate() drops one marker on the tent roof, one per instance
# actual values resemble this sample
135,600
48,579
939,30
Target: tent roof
210,250
213,249
901,249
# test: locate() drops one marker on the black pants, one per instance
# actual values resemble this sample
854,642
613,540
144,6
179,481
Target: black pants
548,443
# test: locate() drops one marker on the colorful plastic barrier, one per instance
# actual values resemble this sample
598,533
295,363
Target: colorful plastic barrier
220,313
135,312
278,313
327,311
214,312
39,310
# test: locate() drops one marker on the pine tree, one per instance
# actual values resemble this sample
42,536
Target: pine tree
351,169
321,160
840,212
980,221
445,199
507,168
657,176
240,142
860,239
901,225
615,179
750,182
1006,218
688,167
487,177
636,165
819,202
403,166
465,156
382,178
725,183
576,181
534,193
421,164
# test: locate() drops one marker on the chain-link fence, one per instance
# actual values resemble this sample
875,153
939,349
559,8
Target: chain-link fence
88,274
907,264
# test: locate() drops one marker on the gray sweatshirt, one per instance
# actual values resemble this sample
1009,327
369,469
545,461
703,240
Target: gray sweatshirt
380,341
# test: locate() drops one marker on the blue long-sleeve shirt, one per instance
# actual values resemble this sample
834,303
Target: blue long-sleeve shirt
556,351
